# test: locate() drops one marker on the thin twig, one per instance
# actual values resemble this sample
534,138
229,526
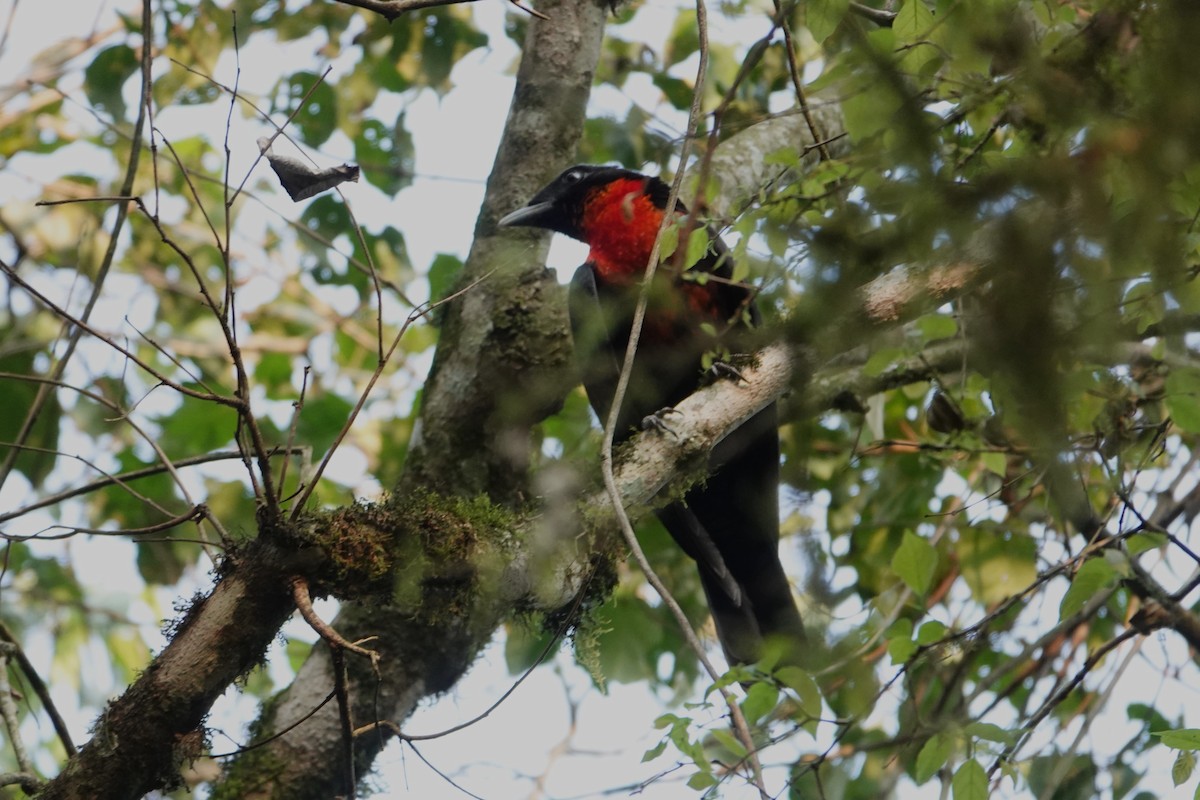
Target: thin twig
278,128
43,394
40,689
558,634
11,714
192,515
879,16
335,640
295,423
80,324
303,230
797,86
443,775
1062,694
278,734
610,424
417,313
337,658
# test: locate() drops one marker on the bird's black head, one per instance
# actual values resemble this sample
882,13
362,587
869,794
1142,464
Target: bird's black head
561,205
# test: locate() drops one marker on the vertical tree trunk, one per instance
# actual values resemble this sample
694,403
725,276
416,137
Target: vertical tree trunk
502,365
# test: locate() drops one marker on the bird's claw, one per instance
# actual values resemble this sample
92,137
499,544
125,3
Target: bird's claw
723,370
657,421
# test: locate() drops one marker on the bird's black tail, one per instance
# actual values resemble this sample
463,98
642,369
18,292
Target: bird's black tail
730,526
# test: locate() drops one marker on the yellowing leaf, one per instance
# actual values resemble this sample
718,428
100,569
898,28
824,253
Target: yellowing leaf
996,564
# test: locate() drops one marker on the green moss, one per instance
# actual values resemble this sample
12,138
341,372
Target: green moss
358,542
425,552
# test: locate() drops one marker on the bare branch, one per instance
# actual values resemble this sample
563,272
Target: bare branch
39,688
43,393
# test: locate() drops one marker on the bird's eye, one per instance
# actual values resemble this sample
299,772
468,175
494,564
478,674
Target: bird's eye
574,176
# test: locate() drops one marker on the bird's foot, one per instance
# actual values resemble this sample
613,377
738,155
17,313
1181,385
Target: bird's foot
729,368
723,371
658,421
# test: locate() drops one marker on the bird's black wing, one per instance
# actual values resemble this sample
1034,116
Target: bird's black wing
601,337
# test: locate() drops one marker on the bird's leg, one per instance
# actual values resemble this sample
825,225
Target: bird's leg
729,366
658,422
723,370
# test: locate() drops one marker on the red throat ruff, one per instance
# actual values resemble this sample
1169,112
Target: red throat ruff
619,224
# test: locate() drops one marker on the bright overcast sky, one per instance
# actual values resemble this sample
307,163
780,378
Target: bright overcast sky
455,140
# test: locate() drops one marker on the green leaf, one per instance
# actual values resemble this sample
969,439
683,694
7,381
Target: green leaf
442,274
702,780
683,40
386,155
995,462
996,563
730,742
901,650
523,645
162,563
882,360
318,119
933,755
901,646
822,17
630,641
760,700
321,418
1143,305
873,108
197,426
934,327
447,36
697,246
668,243
654,752
1183,398
970,782
1096,575
1180,738
988,732
389,254
805,687
678,92
930,632
104,79
1140,543
915,561
297,653
667,720
274,372
913,21
36,462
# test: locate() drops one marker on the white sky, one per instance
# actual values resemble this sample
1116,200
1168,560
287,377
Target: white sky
455,139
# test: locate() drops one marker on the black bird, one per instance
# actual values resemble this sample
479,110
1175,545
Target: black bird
729,524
